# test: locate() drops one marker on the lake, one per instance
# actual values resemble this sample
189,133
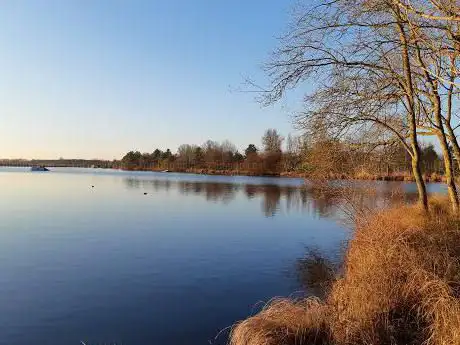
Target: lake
177,265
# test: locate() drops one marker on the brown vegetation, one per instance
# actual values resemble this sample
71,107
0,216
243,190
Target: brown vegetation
400,285
303,157
366,176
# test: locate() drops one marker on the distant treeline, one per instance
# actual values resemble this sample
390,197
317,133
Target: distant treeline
300,156
214,157
77,163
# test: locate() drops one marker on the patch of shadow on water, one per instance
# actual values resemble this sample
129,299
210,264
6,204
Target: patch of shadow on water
316,273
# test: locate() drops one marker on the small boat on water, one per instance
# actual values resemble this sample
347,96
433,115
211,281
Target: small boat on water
39,168
165,171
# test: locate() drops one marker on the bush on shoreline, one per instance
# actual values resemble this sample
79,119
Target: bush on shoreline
400,285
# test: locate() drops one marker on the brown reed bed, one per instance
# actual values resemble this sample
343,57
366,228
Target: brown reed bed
400,285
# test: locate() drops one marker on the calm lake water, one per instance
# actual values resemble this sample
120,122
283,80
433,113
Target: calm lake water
176,266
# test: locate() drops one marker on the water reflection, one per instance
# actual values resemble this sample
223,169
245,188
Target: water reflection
224,192
175,257
335,198
156,185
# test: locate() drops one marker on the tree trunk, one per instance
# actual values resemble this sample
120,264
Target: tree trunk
454,142
421,188
450,181
411,117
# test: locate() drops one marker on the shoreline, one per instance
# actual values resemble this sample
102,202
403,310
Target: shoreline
292,174
400,177
388,289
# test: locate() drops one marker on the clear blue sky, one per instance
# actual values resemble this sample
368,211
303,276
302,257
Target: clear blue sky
95,79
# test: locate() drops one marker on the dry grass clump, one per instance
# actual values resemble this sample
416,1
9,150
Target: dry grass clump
286,322
400,285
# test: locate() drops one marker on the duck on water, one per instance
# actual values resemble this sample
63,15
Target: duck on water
39,168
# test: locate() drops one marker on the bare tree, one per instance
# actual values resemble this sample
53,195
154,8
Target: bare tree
186,154
228,151
435,74
350,44
272,141
291,156
439,10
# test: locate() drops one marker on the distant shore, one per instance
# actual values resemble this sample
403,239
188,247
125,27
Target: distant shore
295,174
403,176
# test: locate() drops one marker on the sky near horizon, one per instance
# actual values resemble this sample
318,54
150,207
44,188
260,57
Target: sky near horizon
95,79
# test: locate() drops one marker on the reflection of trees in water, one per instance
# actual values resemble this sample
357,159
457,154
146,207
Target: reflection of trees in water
320,200
250,190
270,204
350,199
225,192
156,185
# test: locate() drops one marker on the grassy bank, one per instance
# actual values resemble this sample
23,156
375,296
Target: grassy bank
407,177
400,285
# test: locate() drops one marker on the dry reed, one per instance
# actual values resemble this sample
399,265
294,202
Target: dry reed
400,285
